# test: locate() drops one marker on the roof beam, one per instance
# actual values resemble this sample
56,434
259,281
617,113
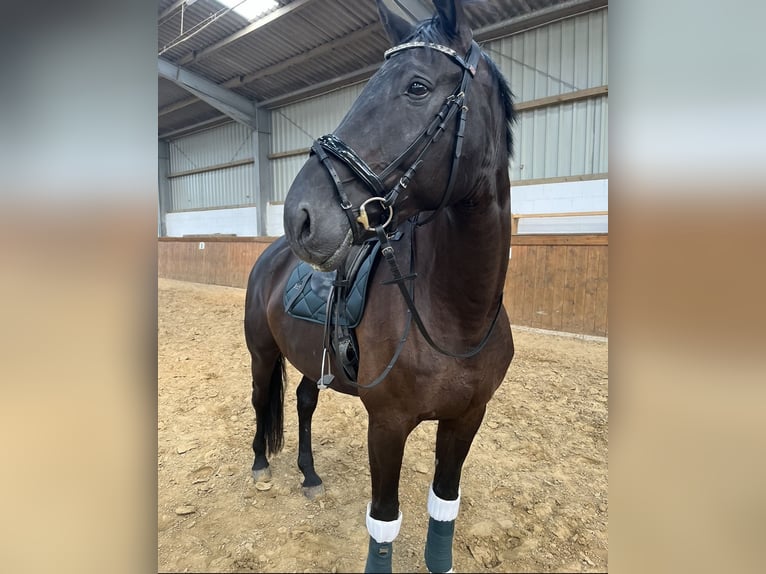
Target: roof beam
170,9
249,29
191,128
233,105
411,10
175,106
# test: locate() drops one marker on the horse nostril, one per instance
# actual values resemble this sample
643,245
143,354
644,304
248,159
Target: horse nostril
305,228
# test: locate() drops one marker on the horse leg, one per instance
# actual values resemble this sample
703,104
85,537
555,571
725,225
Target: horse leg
453,441
268,402
385,443
308,395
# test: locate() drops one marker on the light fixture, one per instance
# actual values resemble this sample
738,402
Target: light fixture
251,9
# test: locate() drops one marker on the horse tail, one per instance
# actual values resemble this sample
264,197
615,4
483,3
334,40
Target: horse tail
274,422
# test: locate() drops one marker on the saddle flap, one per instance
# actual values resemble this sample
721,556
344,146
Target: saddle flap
307,290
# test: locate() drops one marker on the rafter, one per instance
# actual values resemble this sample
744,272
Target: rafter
191,128
232,104
413,10
170,9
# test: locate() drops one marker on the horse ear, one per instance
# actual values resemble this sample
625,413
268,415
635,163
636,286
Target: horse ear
397,28
452,21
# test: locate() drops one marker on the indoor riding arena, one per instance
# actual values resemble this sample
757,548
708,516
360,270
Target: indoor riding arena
242,97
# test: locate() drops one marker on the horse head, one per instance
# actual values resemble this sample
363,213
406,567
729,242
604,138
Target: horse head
419,138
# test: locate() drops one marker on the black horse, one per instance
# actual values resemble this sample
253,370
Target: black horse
420,162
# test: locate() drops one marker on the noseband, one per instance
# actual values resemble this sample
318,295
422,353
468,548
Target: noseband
331,145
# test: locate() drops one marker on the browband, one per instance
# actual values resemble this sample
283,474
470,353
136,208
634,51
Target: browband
438,47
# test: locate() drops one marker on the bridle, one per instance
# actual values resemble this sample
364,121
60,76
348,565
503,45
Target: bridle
359,220
331,145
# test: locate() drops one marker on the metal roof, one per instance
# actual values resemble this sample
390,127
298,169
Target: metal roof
301,48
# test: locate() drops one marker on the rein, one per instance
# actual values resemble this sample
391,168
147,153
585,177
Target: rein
388,252
412,313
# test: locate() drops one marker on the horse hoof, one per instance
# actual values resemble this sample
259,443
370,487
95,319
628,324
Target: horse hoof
313,492
262,475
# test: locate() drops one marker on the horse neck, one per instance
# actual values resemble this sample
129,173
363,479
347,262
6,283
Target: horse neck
463,258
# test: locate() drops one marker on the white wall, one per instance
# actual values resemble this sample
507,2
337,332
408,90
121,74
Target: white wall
543,198
275,219
242,221
562,198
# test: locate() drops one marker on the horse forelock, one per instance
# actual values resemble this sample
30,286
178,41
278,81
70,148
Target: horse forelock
430,31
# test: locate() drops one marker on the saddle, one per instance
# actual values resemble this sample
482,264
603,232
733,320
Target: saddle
335,299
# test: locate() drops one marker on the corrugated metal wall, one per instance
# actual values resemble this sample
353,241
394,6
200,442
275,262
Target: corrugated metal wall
566,56
228,187
560,140
296,126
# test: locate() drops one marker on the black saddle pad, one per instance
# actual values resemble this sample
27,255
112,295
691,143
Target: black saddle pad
307,292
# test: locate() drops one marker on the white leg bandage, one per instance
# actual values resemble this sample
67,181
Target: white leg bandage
383,531
442,510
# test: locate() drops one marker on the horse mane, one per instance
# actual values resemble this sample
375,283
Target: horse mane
506,96
429,31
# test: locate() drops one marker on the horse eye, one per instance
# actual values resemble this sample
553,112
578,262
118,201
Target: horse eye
417,89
